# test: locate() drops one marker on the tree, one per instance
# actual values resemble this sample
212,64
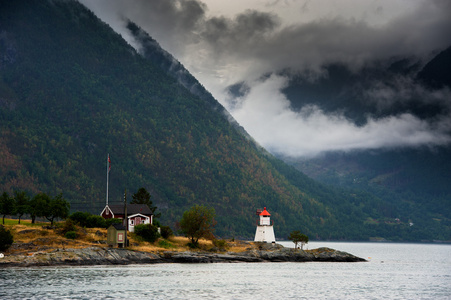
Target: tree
298,237
56,208
22,203
142,196
7,205
38,205
198,222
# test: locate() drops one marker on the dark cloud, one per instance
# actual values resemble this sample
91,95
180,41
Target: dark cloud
223,50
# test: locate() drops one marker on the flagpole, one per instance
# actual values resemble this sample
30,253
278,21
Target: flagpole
107,176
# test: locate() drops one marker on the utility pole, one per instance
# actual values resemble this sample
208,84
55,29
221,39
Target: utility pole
125,217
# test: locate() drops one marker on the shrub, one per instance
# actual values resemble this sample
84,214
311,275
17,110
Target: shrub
6,239
80,218
221,244
166,232
193,245
109,222
166,244
71,235
95,221
68,225
148,232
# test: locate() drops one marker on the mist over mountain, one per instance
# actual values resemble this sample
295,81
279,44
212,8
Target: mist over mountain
73,90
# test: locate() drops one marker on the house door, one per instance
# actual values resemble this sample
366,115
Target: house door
138,220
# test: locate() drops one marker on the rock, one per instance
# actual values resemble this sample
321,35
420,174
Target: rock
115,256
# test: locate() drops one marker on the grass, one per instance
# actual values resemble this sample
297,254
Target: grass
29,238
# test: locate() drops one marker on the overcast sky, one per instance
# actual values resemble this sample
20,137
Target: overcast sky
225,42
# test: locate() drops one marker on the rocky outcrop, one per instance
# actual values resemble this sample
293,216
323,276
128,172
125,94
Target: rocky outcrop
111,256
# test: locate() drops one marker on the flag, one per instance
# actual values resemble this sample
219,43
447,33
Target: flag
109,163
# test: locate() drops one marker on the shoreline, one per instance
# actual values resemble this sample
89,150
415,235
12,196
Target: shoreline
92,256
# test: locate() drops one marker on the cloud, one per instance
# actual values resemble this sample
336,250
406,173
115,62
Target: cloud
266,114
267,37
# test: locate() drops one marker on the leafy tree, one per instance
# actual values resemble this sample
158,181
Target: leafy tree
148,232
22,203
7,205
6,239
142,196
198,222
56,208
38,205
298,237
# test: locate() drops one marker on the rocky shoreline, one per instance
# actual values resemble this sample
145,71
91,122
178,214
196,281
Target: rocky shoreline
113,256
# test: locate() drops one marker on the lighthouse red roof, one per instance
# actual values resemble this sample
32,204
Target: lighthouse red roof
265,212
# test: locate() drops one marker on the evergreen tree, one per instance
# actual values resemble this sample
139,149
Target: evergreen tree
142,196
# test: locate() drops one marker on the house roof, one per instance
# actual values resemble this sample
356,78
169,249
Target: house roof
118,226
265,212
118,209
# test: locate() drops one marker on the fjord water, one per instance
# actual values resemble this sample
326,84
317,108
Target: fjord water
393,271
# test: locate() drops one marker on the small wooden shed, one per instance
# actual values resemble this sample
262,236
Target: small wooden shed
116,235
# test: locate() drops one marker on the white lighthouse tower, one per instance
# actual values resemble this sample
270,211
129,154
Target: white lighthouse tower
265,231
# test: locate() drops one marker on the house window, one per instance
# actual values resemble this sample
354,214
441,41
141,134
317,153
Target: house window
107,212
132,222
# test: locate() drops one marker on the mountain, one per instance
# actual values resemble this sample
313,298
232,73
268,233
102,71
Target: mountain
72,90
416,179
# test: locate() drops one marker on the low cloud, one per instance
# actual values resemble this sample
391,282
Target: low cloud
267,116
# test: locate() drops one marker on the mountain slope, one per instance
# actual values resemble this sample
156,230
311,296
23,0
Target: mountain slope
415,180
72,90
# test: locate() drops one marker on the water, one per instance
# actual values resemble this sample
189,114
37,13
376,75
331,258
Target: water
394,271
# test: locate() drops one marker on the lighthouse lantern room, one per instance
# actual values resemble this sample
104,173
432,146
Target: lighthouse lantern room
265,231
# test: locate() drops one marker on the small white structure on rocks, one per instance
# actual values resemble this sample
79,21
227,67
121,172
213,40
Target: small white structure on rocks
265,230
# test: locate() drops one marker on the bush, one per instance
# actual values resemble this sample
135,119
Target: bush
6,239
80,218
166,244
68,226
147,232
109,222
95,221
221,244
166,232
71,235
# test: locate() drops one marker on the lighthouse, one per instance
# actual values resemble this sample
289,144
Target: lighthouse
265,231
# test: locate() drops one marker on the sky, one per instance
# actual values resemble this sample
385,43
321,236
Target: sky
227,42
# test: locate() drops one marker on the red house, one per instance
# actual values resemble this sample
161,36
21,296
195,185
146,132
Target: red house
136,214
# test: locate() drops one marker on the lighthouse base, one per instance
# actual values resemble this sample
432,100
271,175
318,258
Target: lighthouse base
265,233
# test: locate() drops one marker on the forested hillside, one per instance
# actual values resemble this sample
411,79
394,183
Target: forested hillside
72,91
